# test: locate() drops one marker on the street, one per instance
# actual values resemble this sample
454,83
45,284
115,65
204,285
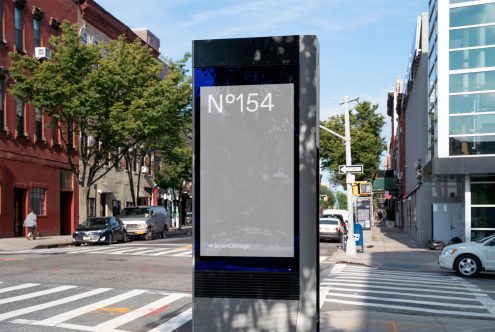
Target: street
146,286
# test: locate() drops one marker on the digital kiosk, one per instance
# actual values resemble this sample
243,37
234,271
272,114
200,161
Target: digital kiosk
256,116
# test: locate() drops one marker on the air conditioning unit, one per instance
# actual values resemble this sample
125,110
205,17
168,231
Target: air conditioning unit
42,53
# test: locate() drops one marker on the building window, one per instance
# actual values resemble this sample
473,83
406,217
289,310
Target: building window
1,20
38,124
18,26
91,207
37,32
2,101
38,201
19,107
116,207
472,15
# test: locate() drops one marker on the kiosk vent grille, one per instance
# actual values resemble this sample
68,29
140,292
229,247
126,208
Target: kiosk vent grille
246,285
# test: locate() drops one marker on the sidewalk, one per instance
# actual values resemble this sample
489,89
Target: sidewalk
21,243
391,248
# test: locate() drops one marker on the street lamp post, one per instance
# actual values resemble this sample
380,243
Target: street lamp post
351,244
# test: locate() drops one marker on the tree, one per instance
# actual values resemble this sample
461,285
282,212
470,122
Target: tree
330,197
96,91
342,200
367,144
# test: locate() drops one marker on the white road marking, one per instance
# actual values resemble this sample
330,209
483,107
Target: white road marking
354,285
27,310
375,298
35,294
416,309
123,251
428,296
144,252
446,284
55,320
175,322
165,252
23,286
138,313
188,252
399,274
412,274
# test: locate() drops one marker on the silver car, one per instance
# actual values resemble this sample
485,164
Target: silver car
144,221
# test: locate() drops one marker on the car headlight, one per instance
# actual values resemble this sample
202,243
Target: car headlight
143,225
103,238
449,251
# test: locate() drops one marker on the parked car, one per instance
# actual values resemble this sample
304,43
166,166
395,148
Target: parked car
469,259
330,229
335,213
100,230
144,221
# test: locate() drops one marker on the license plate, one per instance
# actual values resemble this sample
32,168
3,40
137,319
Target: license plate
140,233
86,237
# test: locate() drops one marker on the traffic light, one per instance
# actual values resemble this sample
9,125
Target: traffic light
361,188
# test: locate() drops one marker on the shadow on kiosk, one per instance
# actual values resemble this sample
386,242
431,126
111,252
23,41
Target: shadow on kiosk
256,116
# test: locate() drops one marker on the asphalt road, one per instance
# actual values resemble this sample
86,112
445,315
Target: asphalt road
146,286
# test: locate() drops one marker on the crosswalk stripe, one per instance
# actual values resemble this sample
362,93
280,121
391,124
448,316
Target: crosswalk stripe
428,296
23,286
175,322
354,285
35,294
397,276
403,280
415,309
185,253
26,310
135,314
387,282
430,303
163,252
142,252
52,321
402,273
124,251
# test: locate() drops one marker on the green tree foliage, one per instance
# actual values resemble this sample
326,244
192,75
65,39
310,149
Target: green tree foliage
111,93
342,199
367,144
330,201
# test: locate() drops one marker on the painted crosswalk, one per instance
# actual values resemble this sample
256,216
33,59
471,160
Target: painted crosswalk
96,310
405,292
117,249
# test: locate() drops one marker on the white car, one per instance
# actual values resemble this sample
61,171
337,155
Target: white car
469,259
329,229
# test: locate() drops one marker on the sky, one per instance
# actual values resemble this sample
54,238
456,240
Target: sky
364,44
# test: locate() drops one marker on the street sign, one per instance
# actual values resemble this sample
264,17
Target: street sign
343,169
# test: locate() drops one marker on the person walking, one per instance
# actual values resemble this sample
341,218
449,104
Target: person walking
30,223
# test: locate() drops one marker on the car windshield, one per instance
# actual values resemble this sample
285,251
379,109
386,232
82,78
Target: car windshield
329,222
135,212
94,223
335,216
485,239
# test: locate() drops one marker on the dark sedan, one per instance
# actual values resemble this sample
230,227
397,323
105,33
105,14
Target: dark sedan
100,230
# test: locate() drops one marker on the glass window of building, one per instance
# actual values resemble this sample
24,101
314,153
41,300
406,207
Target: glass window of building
472,15
38,125
482,208
19,107
18,27
38,201
2,101
37,32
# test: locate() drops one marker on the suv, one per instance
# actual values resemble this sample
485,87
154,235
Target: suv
330,229
146,221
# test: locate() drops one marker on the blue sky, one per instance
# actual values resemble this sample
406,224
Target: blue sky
364,44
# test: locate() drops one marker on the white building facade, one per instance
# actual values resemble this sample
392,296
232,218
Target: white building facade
461,89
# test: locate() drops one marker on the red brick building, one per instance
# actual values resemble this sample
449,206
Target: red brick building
34,167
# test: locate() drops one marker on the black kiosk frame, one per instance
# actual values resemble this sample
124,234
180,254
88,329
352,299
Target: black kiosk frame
267,87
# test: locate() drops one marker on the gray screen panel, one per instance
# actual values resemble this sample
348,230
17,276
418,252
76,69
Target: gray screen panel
247,171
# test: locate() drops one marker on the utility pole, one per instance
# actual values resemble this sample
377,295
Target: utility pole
349,178
351,244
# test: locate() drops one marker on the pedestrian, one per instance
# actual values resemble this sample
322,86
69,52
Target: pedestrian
30,223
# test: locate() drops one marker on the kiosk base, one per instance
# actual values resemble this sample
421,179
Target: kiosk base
226,314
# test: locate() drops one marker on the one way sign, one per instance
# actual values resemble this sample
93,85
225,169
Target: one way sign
343,169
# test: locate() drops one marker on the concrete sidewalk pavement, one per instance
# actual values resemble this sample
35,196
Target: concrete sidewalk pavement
21,243
391,248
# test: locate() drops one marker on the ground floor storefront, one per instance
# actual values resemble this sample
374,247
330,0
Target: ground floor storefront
46,187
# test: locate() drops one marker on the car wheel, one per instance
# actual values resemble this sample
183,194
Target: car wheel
110,239
149,235
467,266
164,232
124,237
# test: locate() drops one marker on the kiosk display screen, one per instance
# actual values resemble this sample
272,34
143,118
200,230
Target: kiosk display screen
246,175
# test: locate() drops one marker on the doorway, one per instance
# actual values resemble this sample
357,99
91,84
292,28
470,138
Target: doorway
19,210
65,212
